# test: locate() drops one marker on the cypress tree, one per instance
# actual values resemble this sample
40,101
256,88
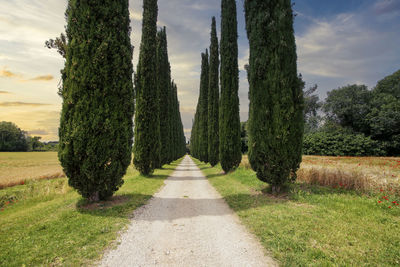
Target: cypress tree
203,109
229,120
147,120
194,137
213,98
98,97
164,88
276,100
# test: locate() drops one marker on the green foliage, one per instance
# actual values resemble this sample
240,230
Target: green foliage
34,143
384,116
98,98
179,139
147,121
229,121
341,143
213,98
349,106
244,137
276,98
374,113
164,90
12,138
203,108
312,106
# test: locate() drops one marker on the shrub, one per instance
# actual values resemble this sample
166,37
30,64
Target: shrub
340,143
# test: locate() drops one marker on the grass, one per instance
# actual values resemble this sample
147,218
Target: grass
47,223
313,225
364,174
20,167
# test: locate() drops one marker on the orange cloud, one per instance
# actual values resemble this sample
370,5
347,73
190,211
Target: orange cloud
20,104
42,78
4,92
8,74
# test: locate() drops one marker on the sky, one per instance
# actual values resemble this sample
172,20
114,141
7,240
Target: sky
339,42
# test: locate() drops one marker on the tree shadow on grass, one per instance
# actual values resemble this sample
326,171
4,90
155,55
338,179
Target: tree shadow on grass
215,175
117,206
167,209
157,176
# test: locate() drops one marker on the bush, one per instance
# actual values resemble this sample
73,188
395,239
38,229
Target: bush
340,143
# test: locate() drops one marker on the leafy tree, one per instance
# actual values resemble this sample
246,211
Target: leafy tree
312,106
276,98
164,89
203,118
349,106
34,143
213,98
147,120
229,120
98,98
384,115
12,138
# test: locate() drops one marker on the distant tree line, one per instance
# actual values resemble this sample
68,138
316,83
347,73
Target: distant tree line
13,139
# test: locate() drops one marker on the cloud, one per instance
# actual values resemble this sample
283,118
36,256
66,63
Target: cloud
346,49
4,92
38,132
8,74
42,78
386,6
43,122
21,104
136,16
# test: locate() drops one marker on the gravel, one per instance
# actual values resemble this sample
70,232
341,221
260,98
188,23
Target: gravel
187,223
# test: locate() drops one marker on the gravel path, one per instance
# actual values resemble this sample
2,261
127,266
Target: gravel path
186,224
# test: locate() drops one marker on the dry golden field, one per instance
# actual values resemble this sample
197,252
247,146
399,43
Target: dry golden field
359,173
17,168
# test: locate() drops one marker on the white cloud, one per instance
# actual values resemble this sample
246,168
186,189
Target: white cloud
345,49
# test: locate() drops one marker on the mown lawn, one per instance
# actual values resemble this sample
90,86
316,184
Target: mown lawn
312,225
47,223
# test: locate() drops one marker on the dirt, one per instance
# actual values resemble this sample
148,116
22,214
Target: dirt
187,223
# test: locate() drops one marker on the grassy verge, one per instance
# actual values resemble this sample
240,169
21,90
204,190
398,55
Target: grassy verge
47,223
313,225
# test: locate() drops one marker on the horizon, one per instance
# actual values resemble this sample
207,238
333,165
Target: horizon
338,43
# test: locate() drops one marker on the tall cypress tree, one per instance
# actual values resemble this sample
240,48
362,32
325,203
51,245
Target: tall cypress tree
213,98
276,100
147,120
203,122
164,89
98,97
229,120
194,147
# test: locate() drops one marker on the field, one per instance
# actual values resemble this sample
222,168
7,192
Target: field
364,174
46,223
18,168
311,225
